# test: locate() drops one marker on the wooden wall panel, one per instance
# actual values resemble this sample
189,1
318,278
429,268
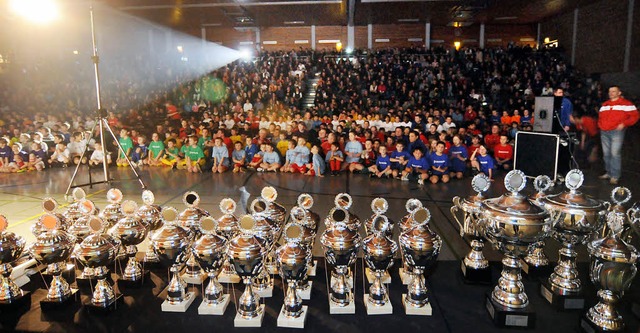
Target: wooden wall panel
285,37
398,35
230,37
361,36
329,33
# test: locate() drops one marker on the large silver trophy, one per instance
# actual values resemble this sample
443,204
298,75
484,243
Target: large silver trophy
576,217
379,251
53,248
513,223
149,213
228,228
301,217
305,201
72,213
266,230
131,230
246,253
112,212
613,268
536,264
209,251
81,230
420,249
277,215
11,247
475,267
341,244
170,243
98,251
379,206
293,260
406,223
190,219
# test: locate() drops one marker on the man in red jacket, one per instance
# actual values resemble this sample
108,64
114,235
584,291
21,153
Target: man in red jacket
615,116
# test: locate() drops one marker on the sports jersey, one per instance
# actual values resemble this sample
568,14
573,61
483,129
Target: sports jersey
383,162
156,147
438,161
456,164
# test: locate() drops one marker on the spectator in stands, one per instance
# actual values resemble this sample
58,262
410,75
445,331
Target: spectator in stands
503,153
417,166
458,155
219,156
481,161
334,158
439,162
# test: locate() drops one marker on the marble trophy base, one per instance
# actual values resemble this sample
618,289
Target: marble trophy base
311,269
240,321
533,272
266,292
102,310
475,276
386,278
22,302
503,316
335,308
48,305
194,280
284,321
426,310
68,273
214,309
635,309
586,326
129,284
228,278
179,307
305,294
572,301
373,309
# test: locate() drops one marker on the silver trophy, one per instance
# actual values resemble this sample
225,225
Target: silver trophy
149,213
11,247
536,263
112,212
576,217
81,229
209,251
98,251
305,201
72,213
131,231
379,206
170,243
341,244
53,248
246,253
49,206
512,222
406,223
190,220
293,260
266,229
228,228
300,217
420,249
613,268
379,250
475,267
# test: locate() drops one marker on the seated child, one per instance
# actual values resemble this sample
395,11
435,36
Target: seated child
317,166
503,153
60,156
238,157
399,159
97,156
383,164
439,164
170,156
140,151
270,160
289,157
334,158
127,147
482,161
417,166
220,156
156,151
458,158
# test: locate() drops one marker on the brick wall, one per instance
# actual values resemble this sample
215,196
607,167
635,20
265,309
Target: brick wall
634,64
285,37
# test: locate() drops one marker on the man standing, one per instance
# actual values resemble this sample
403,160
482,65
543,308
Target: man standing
615,116
564,109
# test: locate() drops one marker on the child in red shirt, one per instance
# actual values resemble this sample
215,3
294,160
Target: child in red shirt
503,153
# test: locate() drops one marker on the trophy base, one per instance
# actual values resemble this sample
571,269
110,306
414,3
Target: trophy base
265,292
476,276
335,308
179,307
103,309
373,309
68,273
134,284
198,279
411,310
503,316
311,270
284,321
305,294
635,309
214,309
49,305
87,284
18,303
228,278
586,326
574,301
404,276
240,321
386,278
536,272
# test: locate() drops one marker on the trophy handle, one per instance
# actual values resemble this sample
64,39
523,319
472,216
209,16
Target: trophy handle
454,209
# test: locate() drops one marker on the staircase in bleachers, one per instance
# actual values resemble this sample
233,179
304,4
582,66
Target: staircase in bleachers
310,96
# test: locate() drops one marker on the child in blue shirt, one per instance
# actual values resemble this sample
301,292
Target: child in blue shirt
383,164
317,165
439,164
399,159
289,157
334,158
458,156
238,157
482,161
416,166
250,150
301,157
140,151
219,156
270,160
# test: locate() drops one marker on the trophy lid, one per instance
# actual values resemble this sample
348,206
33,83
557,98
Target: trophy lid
620,196
54,245
513,204
114,196
612,248
246,245
305,201
572,198
49,205
340,236
148,198
78,194
209,246
191,199
480,184
379,205
412,204
99,248
228,206
269,194
11,245
343,200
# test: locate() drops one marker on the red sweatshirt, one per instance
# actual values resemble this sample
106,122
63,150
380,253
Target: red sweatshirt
614,113
503,152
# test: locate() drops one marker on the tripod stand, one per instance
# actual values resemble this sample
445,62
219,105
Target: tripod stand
102,122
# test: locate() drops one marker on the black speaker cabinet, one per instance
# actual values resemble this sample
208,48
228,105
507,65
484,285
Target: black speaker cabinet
537,154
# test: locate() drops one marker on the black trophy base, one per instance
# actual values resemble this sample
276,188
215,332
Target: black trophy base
144,280
586,326
69,274
54,306
475,276
88,284
566,302
104,310
536,272
635,308
509,317
18,304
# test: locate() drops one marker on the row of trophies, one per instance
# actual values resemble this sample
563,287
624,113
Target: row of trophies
230,247
518,225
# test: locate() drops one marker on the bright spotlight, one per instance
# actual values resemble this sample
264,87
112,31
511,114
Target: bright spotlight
349,50
457,45
75,52
38,11
180,48
246,55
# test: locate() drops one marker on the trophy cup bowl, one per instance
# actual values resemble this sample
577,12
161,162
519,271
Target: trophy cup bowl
341,245
378,250
149,214
112,212
11,248
293,260
209,251
420,249
131,231
268,230
305,201
274,210
246,253
613,268
54,248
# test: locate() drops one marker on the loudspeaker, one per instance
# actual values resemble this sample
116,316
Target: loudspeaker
537,153
543,114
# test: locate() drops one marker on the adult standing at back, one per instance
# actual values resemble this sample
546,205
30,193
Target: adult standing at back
614,117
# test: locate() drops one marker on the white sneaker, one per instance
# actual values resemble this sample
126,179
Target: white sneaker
604,176
421,181
613,181
405,178
260,169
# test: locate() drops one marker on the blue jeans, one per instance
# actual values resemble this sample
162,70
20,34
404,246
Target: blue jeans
612,151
